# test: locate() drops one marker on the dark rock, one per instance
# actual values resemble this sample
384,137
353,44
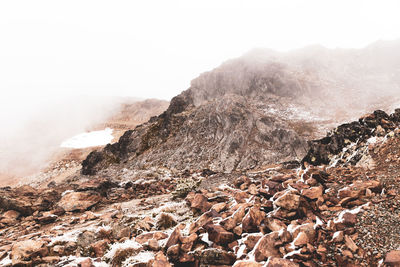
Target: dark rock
214,256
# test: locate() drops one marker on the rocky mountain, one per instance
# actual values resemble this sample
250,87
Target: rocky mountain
258,109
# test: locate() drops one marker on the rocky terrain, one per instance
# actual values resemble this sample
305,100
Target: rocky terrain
278,215
245,168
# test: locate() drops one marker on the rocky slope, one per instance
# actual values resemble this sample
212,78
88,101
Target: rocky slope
279,215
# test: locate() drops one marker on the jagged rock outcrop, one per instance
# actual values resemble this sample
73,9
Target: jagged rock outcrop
354,134
223,122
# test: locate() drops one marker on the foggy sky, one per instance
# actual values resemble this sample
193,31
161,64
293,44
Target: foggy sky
154,48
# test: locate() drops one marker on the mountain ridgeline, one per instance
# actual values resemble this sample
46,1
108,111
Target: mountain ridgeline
258,109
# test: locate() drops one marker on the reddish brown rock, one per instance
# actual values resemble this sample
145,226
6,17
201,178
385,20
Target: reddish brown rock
11,214
301,239
81,201
392,259
278,262
253,189
173,252
159,261
338,236
213,256
253,219
218,235
247,264
289,201
9,217
349,219
23,252
174,237
200,222
266,247
313,192
219,207
143,238
350,243
274,224
153,245
200,202
307,229
241,196
99,248
232,221
251,240
189,239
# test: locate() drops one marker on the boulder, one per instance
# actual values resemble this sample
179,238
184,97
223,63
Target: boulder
143,238
9,217
99,248
200,203
175,236
165,221
24,252
251,240
313,192
218,235
214,256
159,261
79,201
266,247
253,219
289,201
274,224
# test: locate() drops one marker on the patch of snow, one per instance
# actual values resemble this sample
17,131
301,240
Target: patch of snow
69,236
89,139
6,261
142,257
336,235
104,228
225,186
356,210
319,222
204,238
292,253
121,246
66,192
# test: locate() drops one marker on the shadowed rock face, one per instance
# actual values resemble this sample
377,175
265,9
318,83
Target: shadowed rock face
377,123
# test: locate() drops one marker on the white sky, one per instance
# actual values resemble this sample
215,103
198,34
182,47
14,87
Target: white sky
154,48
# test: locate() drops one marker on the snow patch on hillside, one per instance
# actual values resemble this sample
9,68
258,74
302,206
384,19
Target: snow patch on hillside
89,139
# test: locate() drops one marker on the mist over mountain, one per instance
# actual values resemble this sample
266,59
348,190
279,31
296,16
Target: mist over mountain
35,128
260,108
